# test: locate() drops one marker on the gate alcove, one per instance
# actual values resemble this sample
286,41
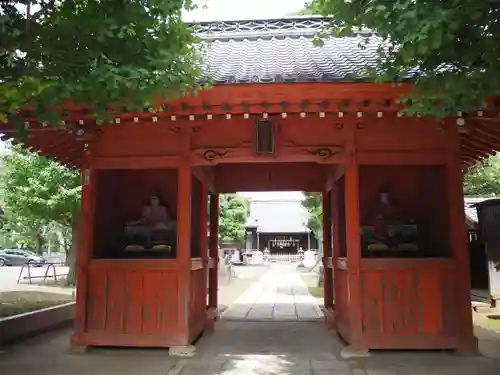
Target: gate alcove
120,198
417,194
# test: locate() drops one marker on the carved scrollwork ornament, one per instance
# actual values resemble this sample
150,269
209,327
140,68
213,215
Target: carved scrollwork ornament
323,152
175,129
214,154
339,126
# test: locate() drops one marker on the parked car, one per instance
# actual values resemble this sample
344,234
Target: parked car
18,257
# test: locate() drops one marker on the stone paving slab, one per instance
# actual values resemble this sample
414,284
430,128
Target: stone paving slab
245,348
307,348
50,354
280,295
238,348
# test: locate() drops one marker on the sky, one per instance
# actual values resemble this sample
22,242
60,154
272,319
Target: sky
273,195
220,10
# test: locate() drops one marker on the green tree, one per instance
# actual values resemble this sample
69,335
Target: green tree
104,53
484,179
310,9
313,203
234,210
38,194
448,49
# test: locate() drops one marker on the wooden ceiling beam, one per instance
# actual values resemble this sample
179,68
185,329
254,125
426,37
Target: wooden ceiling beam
486,119
475,149
478,144
469,154
479,137
486,131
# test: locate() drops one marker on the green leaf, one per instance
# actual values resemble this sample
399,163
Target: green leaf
429,35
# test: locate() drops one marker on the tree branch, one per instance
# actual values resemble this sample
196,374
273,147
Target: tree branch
44,9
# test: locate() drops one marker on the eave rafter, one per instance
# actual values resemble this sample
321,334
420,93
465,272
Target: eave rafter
342,101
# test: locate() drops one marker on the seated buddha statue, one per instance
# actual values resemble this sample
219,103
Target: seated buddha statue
383,218
154,229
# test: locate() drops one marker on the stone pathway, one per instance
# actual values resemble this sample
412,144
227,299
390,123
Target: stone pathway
280,295
282,338
307,348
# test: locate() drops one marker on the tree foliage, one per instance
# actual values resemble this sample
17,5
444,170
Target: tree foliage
99,52
39,192
313,203
484,179
234,210
449,49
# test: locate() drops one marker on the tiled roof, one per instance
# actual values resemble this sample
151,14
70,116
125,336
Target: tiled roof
284,216
282,50
289,216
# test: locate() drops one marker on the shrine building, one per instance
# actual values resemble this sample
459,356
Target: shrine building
283,114
278,225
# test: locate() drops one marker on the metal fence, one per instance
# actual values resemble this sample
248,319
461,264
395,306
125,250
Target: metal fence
51,273
274,257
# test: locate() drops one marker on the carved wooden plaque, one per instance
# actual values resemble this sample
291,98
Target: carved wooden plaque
264,137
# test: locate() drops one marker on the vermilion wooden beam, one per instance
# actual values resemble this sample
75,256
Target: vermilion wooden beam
327,249
477,150
484,134
136,162
476,142
487,119
85,242
469,154
488,142
206,175
203,218
400,157
184,192
458,240
352,221
336,220
214,250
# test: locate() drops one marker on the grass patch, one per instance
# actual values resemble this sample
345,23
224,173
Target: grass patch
311,280
14,303
488,321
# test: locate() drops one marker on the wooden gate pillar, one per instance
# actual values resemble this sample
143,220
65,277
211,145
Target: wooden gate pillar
184,192
335,213
204,235
327,250
84,246
458,236
353,243
214,251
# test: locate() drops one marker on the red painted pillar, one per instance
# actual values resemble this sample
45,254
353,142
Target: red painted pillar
203,234
336,239
214,250
353,241
85,237
458,236
183,252
327,250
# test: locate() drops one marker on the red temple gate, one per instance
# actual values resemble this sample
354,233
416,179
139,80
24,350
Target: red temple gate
342,139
